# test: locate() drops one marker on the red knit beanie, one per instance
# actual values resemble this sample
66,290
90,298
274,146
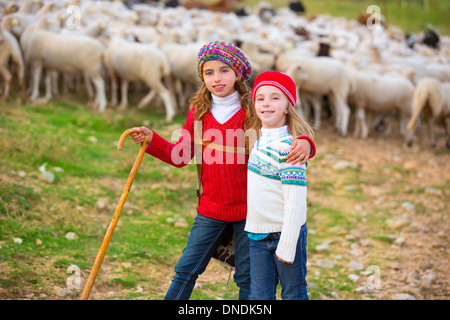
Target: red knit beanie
277,79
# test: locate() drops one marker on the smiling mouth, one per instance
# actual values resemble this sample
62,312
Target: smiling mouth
220,86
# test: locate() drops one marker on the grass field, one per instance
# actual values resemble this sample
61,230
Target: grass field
385,207
409,15
348,211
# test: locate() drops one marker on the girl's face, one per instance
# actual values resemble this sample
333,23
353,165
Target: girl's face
219,78
271,107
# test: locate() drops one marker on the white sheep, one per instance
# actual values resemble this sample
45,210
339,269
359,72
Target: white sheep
17,22
282,31
417,63
10,49
68,54
133,61
432,99
182,57
146,34
379,94
264,61
321,76
25,24
439,71
31,6
183,68
398,69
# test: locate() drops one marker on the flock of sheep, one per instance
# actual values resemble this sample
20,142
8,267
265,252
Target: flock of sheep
95,45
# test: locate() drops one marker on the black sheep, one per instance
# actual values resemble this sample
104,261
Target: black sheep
297,6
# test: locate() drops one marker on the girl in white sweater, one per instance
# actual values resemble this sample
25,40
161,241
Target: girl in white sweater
276,193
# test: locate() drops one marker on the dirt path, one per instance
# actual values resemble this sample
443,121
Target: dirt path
403,200
394,200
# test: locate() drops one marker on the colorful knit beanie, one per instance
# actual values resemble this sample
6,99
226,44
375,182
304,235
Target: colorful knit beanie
227,53
277,79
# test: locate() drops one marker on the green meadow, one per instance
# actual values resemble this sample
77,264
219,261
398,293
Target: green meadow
410,15
377,210
350,209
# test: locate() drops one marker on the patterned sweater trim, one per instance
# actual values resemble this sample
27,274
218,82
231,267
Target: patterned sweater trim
269,161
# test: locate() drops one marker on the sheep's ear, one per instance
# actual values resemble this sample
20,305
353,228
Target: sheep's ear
301,72
298,68
410,75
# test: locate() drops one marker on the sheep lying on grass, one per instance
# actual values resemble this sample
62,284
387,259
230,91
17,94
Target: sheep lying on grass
431,98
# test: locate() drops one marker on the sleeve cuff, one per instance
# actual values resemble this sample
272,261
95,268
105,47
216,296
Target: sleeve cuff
157,146
313,146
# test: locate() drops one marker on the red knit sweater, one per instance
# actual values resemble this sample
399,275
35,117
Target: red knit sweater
224,176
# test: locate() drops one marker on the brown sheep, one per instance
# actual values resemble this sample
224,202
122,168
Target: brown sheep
220,6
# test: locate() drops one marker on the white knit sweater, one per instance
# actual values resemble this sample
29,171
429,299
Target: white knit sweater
276,191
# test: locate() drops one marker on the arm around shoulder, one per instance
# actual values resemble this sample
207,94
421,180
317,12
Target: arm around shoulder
302,149
313,146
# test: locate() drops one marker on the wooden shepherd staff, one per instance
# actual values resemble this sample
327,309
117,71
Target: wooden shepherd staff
115,218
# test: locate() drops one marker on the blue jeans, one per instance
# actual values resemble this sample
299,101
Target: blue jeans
205,236
266,269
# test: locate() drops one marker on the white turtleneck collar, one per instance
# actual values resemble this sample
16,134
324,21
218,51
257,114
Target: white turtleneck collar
224,108
270,134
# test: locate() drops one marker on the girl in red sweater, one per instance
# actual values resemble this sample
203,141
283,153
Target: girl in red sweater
219,114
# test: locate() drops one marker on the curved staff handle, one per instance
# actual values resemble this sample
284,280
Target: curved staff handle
115,218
